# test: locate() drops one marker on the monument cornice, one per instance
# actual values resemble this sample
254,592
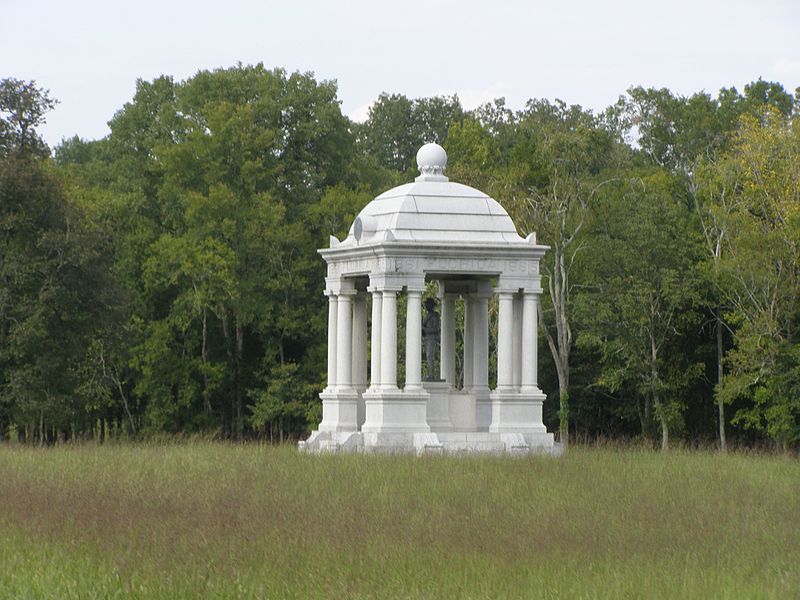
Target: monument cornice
427,249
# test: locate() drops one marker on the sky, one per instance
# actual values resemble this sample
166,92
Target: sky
89,54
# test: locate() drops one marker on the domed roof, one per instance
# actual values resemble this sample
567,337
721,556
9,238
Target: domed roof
433,209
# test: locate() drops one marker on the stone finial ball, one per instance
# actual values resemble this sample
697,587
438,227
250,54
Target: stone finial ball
431,158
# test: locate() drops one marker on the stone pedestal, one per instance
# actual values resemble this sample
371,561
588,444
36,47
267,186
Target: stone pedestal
362,409
339,411
462,411
396,412
483,408
516,412
438,415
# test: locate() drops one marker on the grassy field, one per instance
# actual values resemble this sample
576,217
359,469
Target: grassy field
228,521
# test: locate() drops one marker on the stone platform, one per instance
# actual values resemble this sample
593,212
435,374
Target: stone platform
449,443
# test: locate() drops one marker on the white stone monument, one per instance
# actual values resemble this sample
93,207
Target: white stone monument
432,230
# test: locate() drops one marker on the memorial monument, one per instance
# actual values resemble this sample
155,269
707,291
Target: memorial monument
432,230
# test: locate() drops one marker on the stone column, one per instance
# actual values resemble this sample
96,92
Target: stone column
332,314
375,369
505,342
529,341
517,341
447,361
469,339
344,342
389,341
414,341
359,376
360,353
480,361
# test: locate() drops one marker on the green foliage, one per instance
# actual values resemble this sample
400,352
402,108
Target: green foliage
53,275
165,278
284,399
397,127
776,397
231,165
759,274
643,293
23,106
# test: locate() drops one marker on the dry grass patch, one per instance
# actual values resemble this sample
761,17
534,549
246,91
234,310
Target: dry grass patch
255,521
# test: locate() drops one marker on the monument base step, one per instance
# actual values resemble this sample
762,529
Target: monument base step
433,443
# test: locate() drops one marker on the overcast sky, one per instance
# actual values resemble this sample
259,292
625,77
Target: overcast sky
90,53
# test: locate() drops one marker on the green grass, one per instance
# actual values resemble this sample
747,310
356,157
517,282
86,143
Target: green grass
228,521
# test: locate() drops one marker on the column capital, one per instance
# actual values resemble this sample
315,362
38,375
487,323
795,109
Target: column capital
505,291
415,284
339,286
443,292
533,290
384,287
483,290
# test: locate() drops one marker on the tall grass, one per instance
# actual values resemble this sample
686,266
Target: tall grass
254,521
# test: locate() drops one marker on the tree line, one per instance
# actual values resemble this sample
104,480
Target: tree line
165,280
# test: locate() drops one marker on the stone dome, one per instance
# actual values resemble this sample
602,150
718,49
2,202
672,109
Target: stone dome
433,209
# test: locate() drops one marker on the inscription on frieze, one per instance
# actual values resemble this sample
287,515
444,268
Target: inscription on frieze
461,265
359,265
406,265
444,264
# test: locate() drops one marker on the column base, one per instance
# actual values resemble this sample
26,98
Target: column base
462,410
438,415
517,412
339,410
360,390
396,411
483,407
